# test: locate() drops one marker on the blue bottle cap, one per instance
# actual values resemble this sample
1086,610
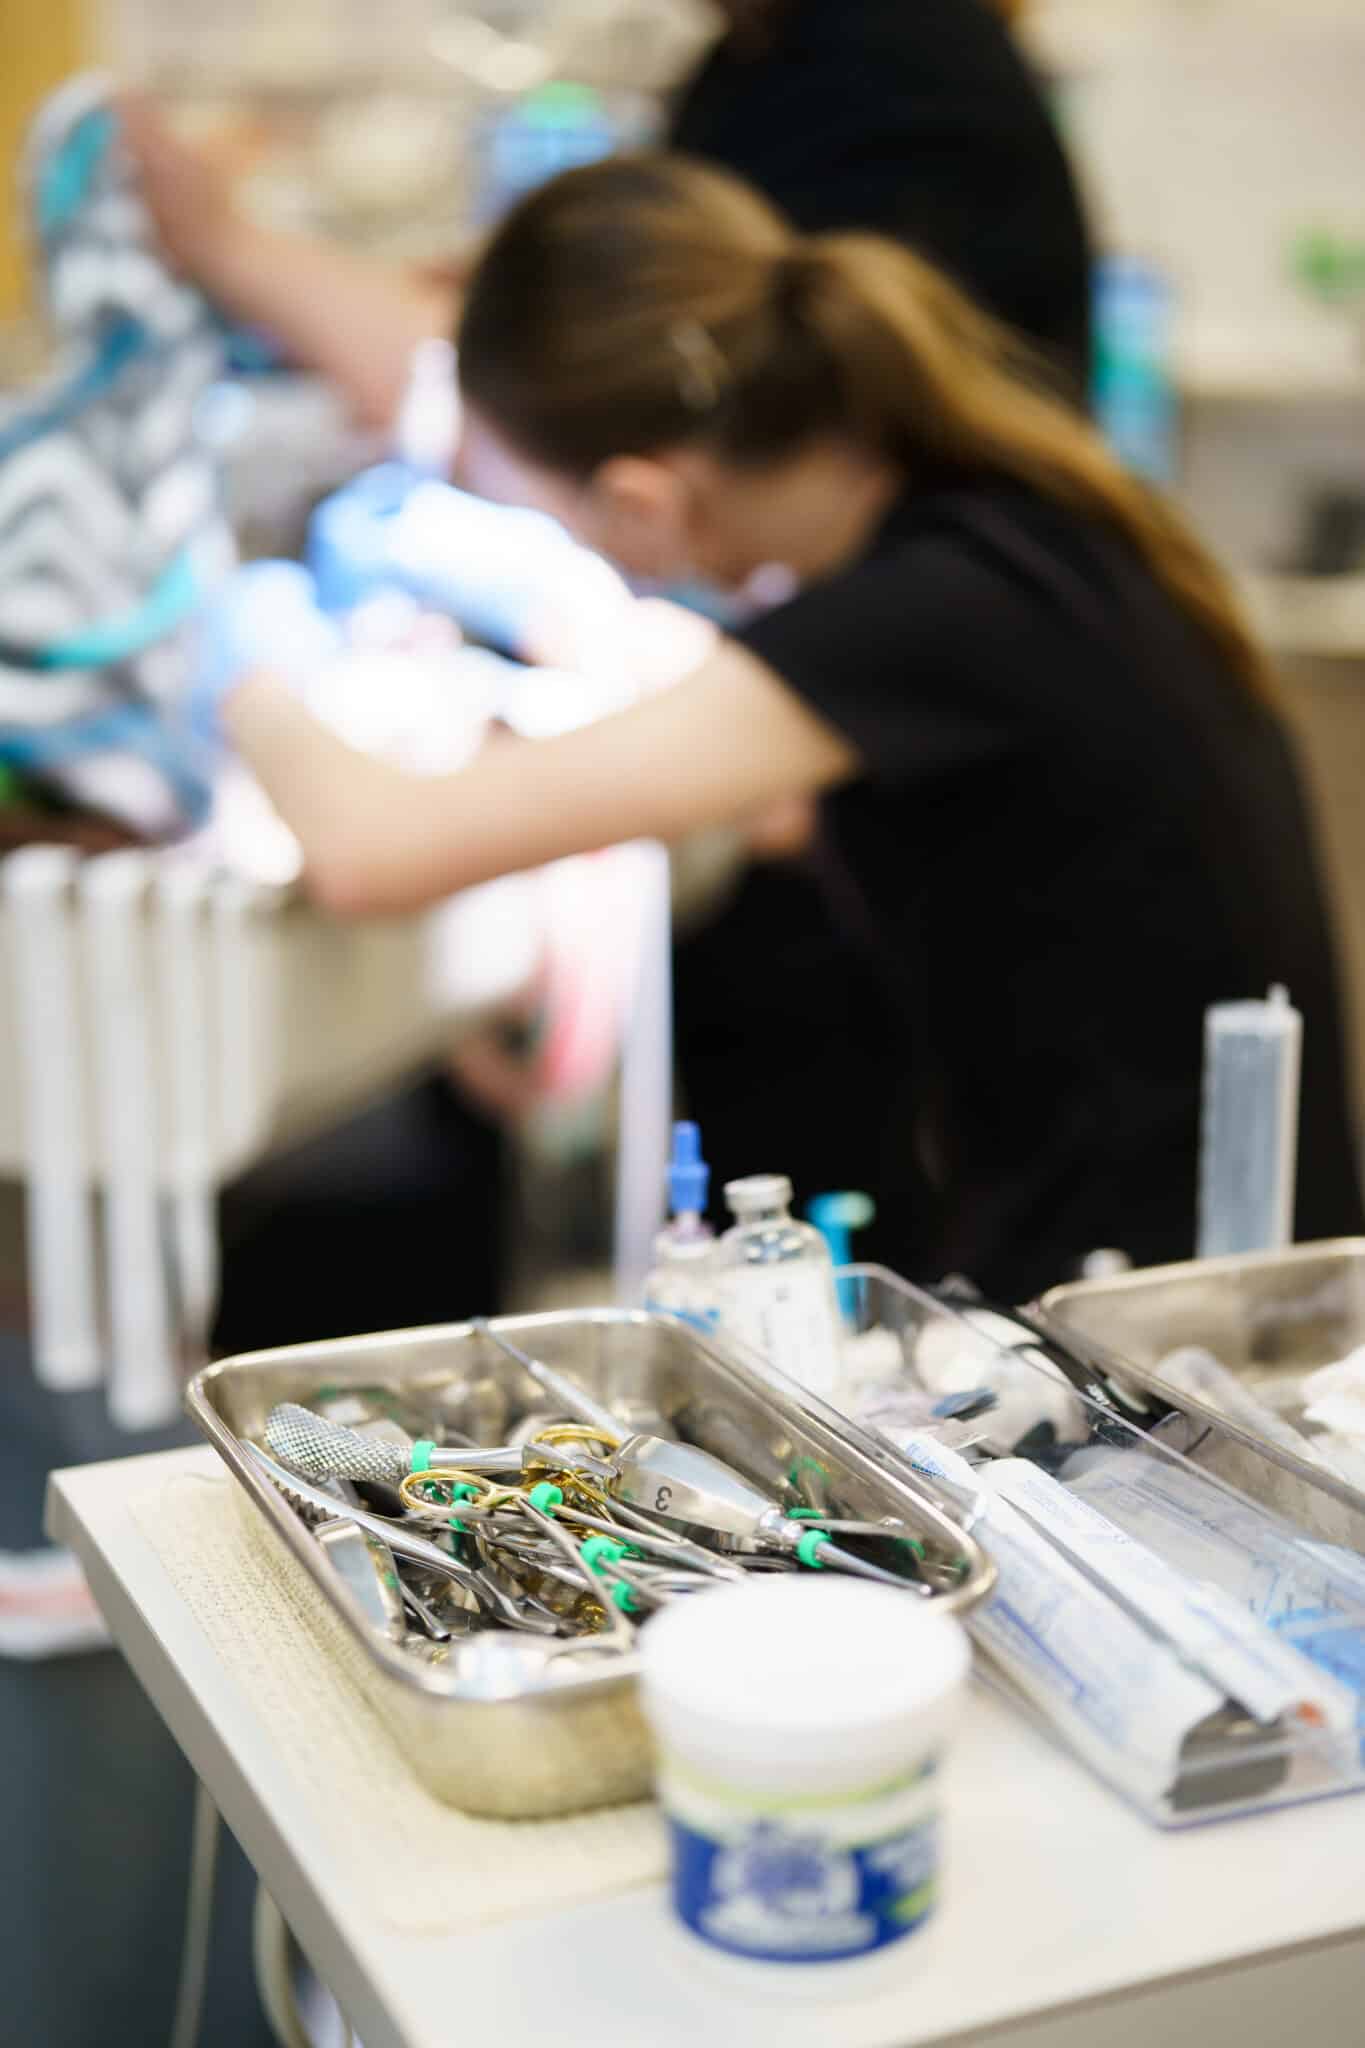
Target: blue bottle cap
836,1216
689,1177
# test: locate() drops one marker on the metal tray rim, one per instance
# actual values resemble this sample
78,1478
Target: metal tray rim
1142,1277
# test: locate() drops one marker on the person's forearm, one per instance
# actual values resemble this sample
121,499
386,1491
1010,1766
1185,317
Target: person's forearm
376,840
337,802
355,321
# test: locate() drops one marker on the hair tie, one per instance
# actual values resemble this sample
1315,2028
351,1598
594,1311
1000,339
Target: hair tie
704,372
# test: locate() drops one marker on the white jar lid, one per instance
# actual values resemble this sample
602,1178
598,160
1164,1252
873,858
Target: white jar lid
800,1674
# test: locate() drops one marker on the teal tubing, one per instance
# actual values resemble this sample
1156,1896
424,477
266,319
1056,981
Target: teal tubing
167,604
67,177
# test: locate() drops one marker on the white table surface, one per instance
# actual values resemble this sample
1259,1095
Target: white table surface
1067,1922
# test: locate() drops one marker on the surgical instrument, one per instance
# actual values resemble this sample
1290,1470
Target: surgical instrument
675,1481
564,1390
366,1564
430,1621
403,1541
677,1549
684,1484
309,1444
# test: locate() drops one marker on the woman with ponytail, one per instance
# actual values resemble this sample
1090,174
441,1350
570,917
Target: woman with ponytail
1057,810
916,119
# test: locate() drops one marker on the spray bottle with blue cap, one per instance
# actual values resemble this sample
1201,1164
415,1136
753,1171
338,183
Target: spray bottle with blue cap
682,1279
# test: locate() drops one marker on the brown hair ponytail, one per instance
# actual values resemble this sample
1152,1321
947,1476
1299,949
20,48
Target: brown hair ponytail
932,379
647,302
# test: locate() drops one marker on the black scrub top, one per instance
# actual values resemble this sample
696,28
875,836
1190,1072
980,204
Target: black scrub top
917,119
1074,831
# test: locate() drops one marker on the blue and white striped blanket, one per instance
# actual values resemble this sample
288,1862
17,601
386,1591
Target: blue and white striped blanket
111,528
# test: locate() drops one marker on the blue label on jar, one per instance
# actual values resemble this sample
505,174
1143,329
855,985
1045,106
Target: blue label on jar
785,1891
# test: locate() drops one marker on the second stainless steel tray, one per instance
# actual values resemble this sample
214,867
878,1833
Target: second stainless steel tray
579,1741
1269,1317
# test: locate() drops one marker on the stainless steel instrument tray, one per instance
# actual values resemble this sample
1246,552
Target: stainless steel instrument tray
1269,1317
577,1741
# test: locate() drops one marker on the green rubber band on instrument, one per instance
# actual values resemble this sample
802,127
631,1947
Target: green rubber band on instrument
804,1514
422,1453
807,1547
911,1543
461,1490
623,1596
547,1496
600,1551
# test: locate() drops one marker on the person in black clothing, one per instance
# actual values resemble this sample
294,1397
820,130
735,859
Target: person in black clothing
1059,813
917,119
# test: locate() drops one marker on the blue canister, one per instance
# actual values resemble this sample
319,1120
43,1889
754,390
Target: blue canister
799,1725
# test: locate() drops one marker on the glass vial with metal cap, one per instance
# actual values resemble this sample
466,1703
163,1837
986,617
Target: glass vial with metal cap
775,1282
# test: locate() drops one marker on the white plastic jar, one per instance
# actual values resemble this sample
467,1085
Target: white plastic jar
799,1724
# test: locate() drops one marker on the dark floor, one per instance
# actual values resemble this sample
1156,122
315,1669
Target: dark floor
97,1803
